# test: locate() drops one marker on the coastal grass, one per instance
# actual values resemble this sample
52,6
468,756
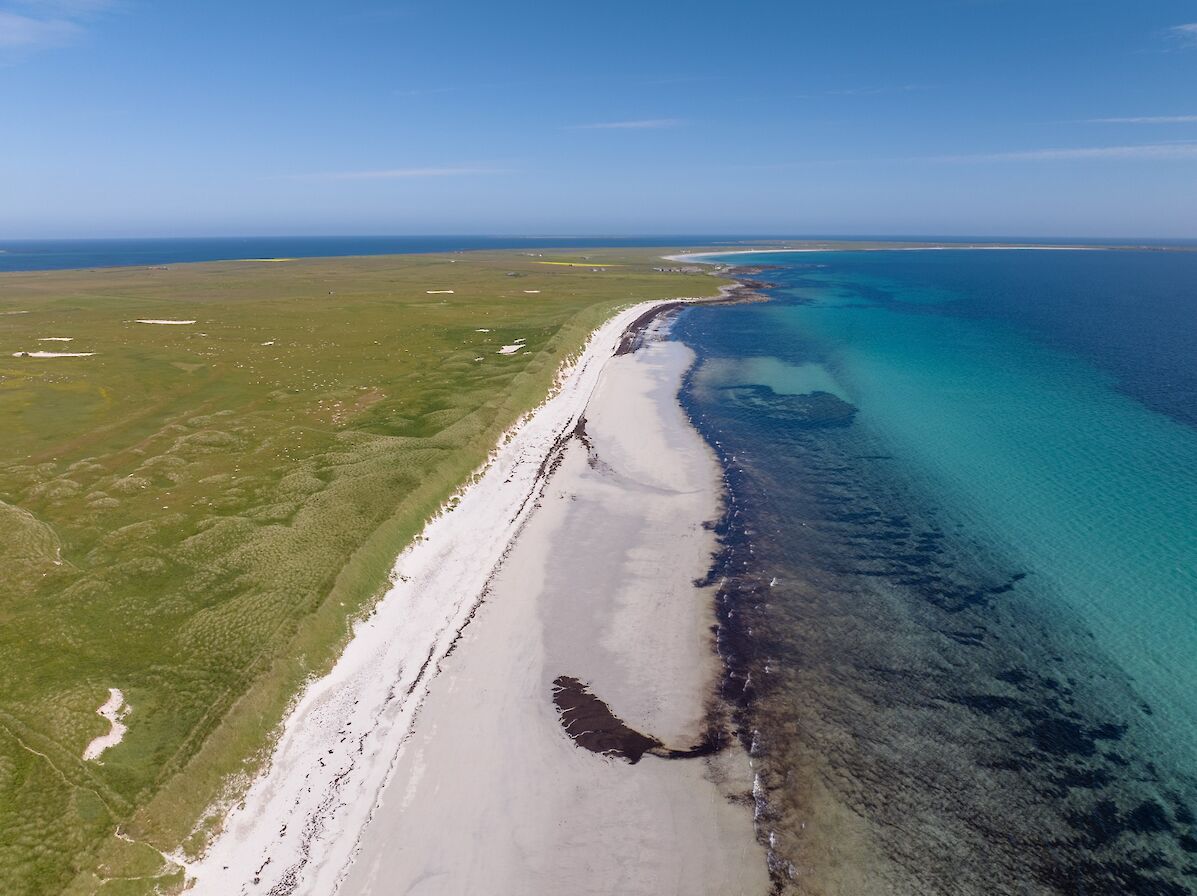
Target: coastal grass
196,513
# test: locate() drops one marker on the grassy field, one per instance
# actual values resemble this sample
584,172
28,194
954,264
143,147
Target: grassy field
194,513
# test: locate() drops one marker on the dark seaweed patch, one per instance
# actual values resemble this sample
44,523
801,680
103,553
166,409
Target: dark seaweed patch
1065,737
593,726
811,409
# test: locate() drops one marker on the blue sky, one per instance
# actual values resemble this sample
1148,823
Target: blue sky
1005,117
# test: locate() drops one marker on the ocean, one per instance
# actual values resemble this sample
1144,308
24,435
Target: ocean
60,254
959,566
40,255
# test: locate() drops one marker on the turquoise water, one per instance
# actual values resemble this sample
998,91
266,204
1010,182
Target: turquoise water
1081,485
972,478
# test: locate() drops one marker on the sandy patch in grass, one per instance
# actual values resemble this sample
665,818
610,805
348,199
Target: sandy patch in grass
52,354
581,264
114,710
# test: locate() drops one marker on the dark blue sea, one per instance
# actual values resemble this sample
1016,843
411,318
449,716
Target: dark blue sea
960,566
40,255
37,255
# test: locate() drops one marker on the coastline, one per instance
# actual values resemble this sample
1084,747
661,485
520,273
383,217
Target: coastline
298,826
704,257
491,795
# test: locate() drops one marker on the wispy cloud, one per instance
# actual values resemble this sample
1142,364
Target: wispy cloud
1186,33
874,91
870,90
1148,151
402,173
21,32
425,91
682,79
1146,119
640,124
1179,150
29,25
64,7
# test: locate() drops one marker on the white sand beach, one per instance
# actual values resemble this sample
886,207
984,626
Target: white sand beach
707,256
490,795
463,757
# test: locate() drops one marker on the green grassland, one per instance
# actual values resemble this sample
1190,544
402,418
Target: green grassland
195,513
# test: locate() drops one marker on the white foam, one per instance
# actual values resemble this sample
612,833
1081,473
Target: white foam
151,320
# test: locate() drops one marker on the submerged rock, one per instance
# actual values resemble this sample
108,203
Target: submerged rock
810,409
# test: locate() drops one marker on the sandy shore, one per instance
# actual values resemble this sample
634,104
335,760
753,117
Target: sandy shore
433,758
705,257
491,795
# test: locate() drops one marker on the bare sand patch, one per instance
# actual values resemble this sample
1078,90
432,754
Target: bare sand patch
581,264
114,710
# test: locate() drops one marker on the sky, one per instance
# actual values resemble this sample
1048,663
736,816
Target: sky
930,117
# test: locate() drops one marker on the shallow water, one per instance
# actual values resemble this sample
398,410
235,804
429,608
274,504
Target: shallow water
972,479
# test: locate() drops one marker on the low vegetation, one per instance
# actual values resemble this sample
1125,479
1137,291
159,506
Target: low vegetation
194,513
